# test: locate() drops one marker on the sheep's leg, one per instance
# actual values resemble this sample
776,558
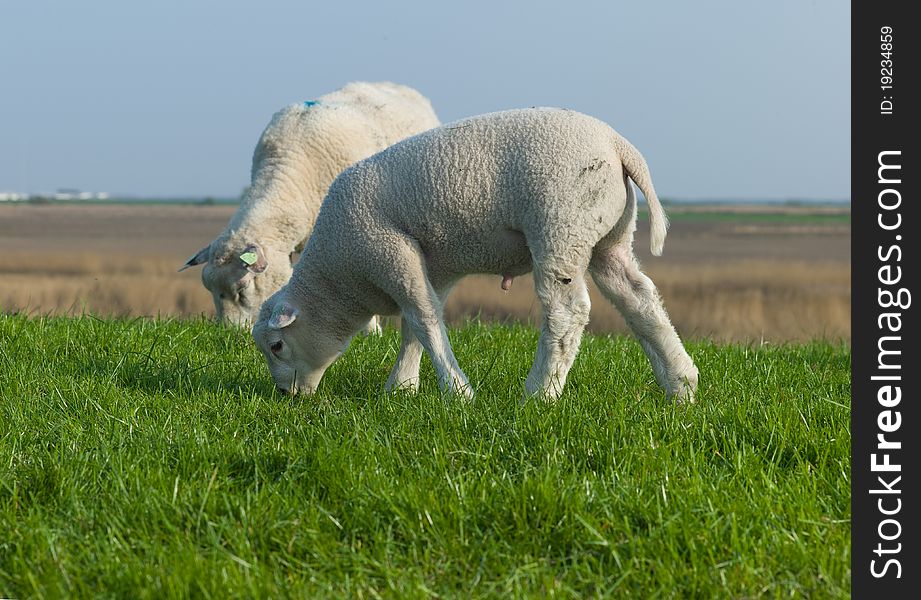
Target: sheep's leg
618,275
405,279
566,305
425,320
405,373
373,327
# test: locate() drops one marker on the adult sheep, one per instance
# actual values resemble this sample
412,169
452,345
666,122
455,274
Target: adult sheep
301,151
504,193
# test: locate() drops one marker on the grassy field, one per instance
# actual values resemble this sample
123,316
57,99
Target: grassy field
154,459
730,273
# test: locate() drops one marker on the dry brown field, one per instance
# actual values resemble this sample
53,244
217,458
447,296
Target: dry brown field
728,273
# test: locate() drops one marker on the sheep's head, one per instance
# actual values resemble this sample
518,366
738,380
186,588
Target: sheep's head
297,346
240,278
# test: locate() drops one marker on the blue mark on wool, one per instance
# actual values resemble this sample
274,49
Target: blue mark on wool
309,103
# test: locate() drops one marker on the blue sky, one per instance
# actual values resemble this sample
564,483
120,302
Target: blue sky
726,99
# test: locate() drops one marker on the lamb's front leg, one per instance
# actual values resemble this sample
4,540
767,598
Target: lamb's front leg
429,328
374,326
405,373
404,276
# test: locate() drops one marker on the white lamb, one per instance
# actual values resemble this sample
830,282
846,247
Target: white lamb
504,193
301,151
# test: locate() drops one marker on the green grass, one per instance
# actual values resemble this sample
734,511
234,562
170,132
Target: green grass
154,459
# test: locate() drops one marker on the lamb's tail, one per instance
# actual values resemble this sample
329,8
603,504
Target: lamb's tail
636,168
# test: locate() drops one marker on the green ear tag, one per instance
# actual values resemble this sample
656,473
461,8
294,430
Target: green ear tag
249,258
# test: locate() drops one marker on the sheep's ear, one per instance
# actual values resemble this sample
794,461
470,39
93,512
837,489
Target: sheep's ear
201,257
282,315
254,259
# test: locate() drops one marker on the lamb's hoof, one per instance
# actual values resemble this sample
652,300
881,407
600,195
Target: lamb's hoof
547,395
457,390
408,386
463,393
685,389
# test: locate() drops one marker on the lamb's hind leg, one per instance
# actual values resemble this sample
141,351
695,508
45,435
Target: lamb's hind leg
566,305
617,274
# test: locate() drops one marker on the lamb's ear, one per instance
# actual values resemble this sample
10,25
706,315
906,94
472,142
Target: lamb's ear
282,315
200,258
254,259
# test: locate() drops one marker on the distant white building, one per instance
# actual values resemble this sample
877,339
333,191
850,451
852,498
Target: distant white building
73,194
62,194
13,197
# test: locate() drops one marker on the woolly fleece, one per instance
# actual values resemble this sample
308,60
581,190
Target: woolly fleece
304,147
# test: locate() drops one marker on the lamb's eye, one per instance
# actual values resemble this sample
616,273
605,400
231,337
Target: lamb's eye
276,347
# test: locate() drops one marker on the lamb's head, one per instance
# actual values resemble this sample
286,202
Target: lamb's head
297,345
240,276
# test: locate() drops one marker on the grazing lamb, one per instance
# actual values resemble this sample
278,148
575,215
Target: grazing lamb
298,155
503,193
